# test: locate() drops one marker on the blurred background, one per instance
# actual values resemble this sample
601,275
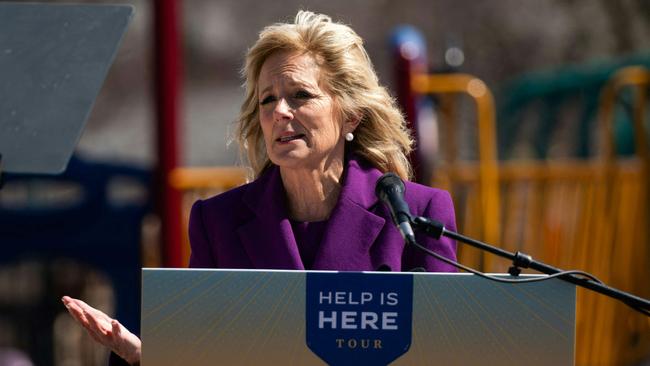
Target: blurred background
531,113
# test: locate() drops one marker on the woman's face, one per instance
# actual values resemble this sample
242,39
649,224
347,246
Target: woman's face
297,115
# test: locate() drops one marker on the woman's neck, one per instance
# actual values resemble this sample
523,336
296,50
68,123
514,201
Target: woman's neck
312,193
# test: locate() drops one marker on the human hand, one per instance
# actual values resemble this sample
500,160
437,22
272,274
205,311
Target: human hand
105,330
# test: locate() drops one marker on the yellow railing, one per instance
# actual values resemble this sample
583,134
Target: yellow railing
624,336
590,215
488,188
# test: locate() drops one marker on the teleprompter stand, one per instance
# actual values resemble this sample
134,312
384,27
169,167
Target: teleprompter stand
1,180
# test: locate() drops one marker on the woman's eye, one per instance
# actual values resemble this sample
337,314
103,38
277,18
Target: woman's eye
303,95
267,100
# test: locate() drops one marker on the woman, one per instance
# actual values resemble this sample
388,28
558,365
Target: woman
318,131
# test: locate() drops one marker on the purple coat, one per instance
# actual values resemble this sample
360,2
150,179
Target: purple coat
248,227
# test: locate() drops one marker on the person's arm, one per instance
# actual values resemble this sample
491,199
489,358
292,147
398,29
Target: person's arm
200,255
105,330
441,208
108,331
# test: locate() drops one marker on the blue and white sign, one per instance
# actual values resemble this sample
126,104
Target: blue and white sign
352,320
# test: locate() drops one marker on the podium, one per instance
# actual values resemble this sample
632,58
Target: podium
254,317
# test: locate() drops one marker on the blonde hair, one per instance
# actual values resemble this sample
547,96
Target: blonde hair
381,137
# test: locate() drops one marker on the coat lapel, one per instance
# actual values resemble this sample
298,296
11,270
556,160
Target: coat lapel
352,227
268,238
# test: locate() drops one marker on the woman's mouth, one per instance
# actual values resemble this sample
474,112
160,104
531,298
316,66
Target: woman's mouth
288,138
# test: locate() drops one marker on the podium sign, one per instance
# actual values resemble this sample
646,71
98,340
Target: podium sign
251,317
358,318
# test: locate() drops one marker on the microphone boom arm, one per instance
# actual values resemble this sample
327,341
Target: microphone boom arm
520,260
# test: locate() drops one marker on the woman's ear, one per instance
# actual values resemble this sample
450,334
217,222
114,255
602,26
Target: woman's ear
352,123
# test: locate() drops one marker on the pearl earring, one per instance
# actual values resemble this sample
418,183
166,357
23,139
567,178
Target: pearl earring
349,137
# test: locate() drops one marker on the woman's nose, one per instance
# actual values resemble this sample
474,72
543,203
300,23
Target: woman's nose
283,110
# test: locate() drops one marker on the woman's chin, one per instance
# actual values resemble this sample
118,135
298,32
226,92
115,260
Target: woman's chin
291,160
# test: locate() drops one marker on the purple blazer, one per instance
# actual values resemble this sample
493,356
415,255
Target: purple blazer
249,227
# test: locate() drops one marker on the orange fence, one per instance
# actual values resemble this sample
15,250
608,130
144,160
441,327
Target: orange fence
574,214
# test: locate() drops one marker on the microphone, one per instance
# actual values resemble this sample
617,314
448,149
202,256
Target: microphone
390,191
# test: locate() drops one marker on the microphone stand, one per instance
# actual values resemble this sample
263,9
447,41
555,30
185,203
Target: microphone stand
1,180
521,260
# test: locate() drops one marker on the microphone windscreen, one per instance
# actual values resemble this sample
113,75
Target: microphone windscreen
388,181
